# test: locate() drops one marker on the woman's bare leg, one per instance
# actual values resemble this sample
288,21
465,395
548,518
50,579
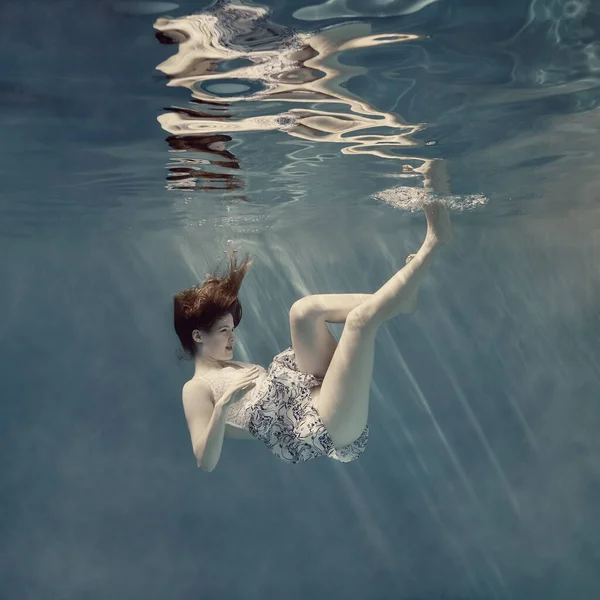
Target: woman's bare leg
343,401
313,343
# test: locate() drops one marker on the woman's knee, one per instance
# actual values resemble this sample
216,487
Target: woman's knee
303,307
361,318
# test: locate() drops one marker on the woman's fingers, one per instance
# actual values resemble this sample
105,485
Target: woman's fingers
249,376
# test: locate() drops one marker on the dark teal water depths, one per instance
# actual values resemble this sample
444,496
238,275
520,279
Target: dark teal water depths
126,166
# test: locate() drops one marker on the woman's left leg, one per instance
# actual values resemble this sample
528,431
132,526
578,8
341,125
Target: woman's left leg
312,341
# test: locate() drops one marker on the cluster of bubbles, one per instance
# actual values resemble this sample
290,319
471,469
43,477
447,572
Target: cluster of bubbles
414,199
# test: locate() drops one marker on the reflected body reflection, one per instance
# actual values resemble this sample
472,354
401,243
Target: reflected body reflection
230,56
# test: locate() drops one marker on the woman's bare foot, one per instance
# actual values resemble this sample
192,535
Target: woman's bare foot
439,228
436,176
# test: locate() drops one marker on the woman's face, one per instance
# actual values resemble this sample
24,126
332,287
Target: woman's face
218,342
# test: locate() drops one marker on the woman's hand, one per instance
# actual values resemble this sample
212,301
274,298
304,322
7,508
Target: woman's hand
242,383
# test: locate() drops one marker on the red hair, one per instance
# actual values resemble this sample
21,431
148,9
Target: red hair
199,307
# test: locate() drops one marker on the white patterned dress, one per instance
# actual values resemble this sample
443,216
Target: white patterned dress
283,416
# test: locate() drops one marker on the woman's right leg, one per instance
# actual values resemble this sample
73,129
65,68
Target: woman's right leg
343,401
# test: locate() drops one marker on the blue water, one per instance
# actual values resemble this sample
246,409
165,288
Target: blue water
126,166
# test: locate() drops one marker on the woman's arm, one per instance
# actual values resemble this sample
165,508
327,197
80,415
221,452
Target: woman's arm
206,422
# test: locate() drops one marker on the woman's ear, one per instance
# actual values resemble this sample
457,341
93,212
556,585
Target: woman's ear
197,336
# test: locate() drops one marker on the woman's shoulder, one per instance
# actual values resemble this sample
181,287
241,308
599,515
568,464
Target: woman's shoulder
196,388
196,383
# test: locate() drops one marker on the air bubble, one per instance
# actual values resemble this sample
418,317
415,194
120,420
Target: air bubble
414,199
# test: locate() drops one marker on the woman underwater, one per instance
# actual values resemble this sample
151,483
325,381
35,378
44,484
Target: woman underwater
314,398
